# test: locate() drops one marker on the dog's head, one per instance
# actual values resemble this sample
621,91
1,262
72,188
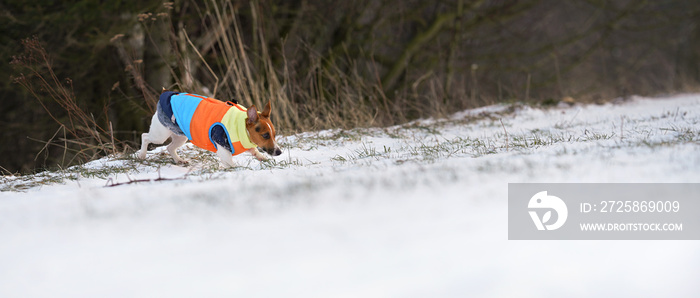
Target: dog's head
261,130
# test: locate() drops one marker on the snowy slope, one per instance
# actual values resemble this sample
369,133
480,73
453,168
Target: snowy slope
418,210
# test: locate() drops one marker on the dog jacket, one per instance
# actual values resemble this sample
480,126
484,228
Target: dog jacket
197,115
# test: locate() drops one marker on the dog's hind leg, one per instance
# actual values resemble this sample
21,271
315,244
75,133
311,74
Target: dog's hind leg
144,146
157,134
177,141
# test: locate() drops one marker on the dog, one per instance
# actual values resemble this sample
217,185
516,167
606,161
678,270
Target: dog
225,128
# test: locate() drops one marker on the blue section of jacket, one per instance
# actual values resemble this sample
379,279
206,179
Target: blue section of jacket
183,107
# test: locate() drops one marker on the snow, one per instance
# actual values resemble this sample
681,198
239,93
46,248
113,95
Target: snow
407,211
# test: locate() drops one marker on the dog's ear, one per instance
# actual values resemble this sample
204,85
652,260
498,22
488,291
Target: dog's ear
252,115
266,112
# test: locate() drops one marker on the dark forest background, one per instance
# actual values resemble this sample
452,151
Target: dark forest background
80,78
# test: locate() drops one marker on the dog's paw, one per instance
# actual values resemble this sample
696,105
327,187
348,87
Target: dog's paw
140,155
227,165
259,156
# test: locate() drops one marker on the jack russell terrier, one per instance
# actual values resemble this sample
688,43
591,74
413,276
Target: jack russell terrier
226,128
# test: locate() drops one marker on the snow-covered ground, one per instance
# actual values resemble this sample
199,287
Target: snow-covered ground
418,210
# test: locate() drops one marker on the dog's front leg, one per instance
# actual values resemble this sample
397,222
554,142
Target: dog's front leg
225,156
257,154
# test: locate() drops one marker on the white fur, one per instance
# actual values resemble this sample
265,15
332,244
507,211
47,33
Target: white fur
158,134
257,154
225,156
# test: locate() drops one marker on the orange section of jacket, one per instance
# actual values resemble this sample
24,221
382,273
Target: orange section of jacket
238,148
209,111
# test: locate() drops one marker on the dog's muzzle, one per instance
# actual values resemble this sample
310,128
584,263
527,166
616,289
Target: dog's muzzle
274,151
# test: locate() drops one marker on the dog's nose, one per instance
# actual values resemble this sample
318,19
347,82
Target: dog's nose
277,152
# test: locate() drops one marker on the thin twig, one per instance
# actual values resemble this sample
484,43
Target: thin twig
6,170
110,182
622,125
504,130
47,144
111,134
216,85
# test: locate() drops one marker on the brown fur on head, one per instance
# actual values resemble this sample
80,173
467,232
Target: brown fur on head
261,130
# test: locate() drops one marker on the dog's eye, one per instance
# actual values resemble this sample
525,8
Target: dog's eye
266,136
